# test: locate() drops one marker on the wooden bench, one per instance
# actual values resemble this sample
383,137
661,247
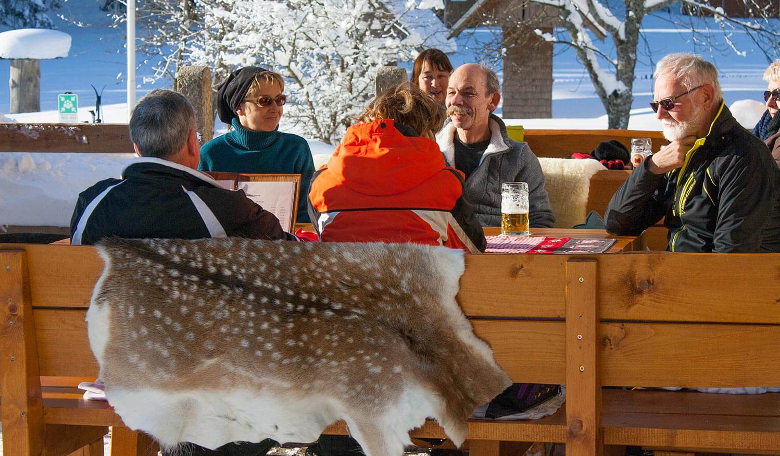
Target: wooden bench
647,319
563,143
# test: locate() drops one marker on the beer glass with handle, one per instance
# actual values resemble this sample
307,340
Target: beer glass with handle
514,209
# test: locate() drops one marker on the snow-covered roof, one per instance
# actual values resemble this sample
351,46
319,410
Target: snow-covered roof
37,44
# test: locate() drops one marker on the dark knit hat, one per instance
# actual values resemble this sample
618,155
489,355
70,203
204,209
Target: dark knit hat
233,90
611,150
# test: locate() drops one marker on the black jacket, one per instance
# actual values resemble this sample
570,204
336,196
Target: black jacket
160,199
724,201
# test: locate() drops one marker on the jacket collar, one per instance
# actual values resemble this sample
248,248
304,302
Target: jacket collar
172,167
499,139
251,140
722,123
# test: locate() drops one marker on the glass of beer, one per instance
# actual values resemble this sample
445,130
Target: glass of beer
641,148
514,209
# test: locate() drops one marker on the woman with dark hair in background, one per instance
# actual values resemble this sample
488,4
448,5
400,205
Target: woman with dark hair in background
431,73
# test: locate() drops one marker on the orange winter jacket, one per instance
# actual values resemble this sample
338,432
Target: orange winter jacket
383,186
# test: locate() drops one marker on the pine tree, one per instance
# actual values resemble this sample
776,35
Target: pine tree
16,14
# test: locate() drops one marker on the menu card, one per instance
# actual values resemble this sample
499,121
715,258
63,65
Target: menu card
276,193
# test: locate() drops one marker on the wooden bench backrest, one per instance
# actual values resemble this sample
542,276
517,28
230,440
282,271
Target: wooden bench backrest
665,320
563,143
115,138
75,138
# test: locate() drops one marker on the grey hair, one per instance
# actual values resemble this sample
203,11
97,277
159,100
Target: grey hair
691,69
493,85
161,123
772,73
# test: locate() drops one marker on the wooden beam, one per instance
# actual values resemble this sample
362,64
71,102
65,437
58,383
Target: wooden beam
78,440
20,388
583,387
126,442
73,138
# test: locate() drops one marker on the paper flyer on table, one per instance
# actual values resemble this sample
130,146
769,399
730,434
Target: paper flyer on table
275,197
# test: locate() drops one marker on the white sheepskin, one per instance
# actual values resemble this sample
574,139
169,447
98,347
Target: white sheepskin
567,181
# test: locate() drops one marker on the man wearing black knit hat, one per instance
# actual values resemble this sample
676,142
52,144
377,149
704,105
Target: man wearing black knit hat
251,100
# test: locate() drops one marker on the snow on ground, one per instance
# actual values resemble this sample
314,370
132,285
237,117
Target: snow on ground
38,44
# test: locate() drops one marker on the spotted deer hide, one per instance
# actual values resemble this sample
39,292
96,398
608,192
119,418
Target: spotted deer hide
220,340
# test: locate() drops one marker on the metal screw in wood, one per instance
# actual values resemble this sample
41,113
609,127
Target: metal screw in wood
23,414
13,359
582,368
579,336
11,323
8,268
582,279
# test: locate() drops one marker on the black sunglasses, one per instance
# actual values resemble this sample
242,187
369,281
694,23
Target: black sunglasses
668,103
265,100
772,93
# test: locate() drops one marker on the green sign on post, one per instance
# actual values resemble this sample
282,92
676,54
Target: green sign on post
68,106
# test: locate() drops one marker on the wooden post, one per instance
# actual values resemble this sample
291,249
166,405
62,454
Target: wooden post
20,387
194,82
388,77
584,436
126,442
25,86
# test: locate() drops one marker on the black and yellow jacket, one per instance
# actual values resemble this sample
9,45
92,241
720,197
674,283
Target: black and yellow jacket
725,197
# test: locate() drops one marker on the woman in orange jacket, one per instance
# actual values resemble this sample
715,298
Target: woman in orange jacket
388,182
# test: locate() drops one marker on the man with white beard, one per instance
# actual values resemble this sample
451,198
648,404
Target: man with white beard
713,183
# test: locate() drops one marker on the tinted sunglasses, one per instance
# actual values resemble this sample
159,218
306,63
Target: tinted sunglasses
668,103
772,93
265,100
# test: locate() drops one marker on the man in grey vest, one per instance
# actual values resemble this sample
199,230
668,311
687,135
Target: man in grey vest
475,141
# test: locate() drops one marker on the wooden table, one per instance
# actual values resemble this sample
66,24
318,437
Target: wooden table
622,244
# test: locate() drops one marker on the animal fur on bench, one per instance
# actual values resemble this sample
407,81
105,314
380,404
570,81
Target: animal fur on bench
221,340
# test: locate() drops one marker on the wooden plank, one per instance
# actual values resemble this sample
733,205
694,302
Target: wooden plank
692,355
497,448
603,185
563,143
55,283
690,402
542,358
655,238
748,434
69,439
64,346
548,429
733,288
79,412
21,408
525,285
63,343
126,442
93,449
583,390
74,138
649,287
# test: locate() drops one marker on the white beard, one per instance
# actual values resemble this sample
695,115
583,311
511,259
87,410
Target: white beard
674,130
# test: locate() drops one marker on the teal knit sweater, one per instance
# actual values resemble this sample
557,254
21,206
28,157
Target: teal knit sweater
260,152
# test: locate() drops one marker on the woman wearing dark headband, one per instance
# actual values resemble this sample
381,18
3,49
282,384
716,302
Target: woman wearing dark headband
252,102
